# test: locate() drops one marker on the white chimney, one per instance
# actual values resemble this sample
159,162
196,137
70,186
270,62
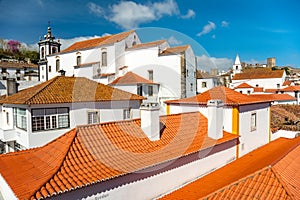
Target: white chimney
215,119
150,120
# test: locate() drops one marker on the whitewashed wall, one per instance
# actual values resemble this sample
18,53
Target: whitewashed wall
210,83
190,62
265,82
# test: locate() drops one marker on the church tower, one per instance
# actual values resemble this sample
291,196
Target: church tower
237,66
47,46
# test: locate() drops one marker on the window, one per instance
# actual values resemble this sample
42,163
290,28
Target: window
50,118
93,117
49,68
78,60
57,65
127,113
256,85
278,85
7,118
150,90
42,52
187,72
204,85
150,75
18,147
140,90
191,86
53,50
20,119
248,91
104,58
253,122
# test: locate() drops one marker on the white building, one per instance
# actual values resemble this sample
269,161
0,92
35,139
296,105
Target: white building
243,115
37,115
237,66
205,82
260,77
115,160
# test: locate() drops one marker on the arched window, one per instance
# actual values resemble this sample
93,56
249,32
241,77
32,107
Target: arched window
78,60
53,50
57,64
104,58
42,52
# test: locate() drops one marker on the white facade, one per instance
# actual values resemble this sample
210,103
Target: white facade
105,111
204,84
133,88
274,83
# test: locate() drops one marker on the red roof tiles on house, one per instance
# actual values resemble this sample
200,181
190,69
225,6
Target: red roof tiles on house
243,85
63,89
17,65
95,153
146,45
228,96
258,89
92,43
257,175
131,78
274,97
291,88
174,50
287,83
259,74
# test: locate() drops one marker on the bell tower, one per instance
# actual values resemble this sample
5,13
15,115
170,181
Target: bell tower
47,46
237,66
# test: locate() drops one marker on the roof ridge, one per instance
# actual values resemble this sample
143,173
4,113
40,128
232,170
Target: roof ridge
42,89
62,161
282,182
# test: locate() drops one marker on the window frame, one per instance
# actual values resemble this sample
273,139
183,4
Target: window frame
20,120
93,112
57,64
253,121
150,90
127,114
104,58
203,84
150,75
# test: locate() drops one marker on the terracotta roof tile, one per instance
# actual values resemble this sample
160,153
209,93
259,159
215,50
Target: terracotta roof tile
96,153
19,65
258,89
258,74
63,89
146,45
228,96
274,97
131,78
287,83
244,85
92,43
291,88
174,50
250,176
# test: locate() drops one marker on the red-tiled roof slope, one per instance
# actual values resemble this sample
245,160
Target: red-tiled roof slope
17,65
244,85
92,43
291,88
274,97
227,95
258,74
131,78
63,89
95,153
231,178
258,89
175,50
287,83
37,165
146,45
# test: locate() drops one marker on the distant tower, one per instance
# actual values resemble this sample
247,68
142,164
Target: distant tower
237,66
47,46
271,62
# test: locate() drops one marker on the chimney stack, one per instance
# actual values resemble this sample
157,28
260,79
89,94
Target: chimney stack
150,120
215,119
11,86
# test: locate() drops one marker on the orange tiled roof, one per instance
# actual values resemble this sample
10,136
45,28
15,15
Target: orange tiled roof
258,89
287,83
131,78
18,65
275,97
291,88
96,153
258,74
92,43
174,50
228,96
146,45
250,176
63,89
243,85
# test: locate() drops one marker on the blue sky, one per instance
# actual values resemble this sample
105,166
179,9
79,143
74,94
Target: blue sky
255,29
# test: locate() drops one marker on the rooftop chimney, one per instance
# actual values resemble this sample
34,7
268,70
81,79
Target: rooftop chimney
215,119
150,120
11,86
62,72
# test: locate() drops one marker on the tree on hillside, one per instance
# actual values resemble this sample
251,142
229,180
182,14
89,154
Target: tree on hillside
13,46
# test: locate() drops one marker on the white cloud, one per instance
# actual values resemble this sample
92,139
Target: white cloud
190,14
207,63
173,41
224,24
213,36
207,28
129,14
